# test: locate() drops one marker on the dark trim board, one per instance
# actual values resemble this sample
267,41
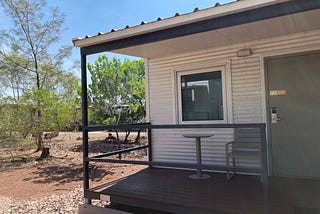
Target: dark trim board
91,209
258,14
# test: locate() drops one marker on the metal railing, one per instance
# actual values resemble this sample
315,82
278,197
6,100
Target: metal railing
105,157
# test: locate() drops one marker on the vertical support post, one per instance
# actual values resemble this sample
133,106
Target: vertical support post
150,144
198,154
264,170
85,137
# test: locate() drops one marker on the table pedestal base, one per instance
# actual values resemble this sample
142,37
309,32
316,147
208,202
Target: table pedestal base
199,177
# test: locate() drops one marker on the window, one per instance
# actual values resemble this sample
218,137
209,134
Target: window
201,96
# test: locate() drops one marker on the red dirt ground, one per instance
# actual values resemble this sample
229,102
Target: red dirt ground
61,172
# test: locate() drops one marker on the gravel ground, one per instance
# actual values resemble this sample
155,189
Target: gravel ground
55,204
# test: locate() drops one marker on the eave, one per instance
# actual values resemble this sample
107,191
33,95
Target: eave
213,20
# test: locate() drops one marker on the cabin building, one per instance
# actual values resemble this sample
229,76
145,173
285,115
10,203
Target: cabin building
249,64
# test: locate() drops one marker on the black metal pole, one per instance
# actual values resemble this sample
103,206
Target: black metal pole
84,96
264,171
149,144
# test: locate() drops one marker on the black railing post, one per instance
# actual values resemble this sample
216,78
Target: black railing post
264,169
84,95
149,144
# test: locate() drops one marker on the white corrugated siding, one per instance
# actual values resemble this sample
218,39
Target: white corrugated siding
247,94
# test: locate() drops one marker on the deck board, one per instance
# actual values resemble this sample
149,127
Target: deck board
173,191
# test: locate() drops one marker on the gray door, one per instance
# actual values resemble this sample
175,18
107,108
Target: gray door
294,115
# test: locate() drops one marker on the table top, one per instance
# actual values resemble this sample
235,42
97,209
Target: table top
197,135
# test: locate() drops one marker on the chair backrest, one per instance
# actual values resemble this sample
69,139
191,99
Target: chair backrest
247,139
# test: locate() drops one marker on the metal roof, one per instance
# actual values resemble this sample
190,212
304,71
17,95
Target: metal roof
157,20
240,20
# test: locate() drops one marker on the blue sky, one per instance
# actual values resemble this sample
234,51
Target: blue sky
88,17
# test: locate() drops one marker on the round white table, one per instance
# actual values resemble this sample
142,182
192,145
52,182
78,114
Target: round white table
197,137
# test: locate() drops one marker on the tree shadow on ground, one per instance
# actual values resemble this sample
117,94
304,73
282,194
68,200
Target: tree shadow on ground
66,174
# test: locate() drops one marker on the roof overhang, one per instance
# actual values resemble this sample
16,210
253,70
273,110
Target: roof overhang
235,22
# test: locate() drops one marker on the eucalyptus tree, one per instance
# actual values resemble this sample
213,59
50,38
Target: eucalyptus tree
116,85
31,57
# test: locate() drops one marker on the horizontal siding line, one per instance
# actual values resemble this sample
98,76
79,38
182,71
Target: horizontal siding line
251,76
288,37
255,85
195,59
192,153
248,115
249,107
214,53
248,69
164,89
246,100
206,149
246,93
253,114
190,158
159,105
285,39
243,69
245,81
241,60
162,74
231,49
174,143
299,41
218,130
244,89
246,109
245,72
163,96
245,65
165,79
248,118
291,47
180,139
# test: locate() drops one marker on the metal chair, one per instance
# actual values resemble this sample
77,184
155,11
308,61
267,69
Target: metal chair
246,145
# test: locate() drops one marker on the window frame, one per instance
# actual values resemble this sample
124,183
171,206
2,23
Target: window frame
224,94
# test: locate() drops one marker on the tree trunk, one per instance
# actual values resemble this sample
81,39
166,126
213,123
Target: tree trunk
39,142
45,153
127,135
137,140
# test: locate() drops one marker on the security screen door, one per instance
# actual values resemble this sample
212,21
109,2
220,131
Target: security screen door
294,114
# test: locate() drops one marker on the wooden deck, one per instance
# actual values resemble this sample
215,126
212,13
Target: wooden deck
173,191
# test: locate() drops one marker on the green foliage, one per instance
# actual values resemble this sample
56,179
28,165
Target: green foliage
116,83
21,118
38,94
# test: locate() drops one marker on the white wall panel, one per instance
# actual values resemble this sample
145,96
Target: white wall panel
247,94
